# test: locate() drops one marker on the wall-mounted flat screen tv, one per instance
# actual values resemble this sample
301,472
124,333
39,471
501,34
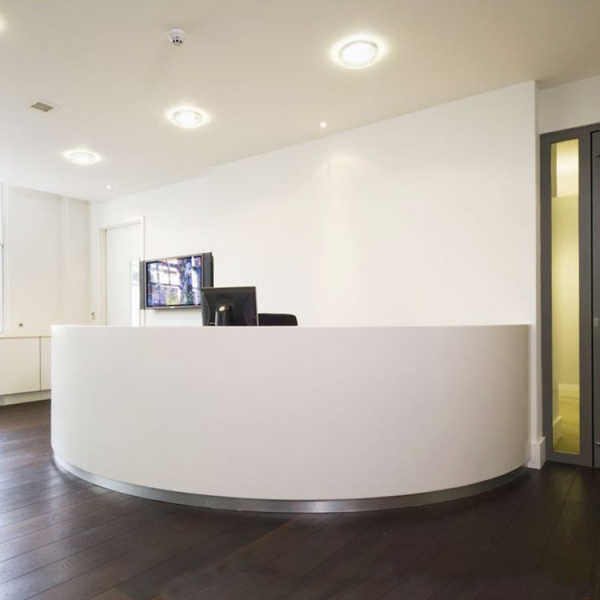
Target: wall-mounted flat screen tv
176,282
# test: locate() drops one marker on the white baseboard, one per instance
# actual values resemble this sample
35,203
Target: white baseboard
537,454
22,398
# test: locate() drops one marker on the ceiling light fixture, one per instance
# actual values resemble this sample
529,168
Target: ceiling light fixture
82,158
109,187
359,51
323,124
358,54
187,117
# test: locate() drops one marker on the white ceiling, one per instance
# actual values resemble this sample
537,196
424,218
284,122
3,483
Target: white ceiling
262,68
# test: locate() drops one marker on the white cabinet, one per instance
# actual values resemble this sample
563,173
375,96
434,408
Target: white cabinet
19,365
24,365
45,381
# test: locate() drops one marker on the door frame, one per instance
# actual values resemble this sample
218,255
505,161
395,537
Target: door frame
594,176
586,393
103,283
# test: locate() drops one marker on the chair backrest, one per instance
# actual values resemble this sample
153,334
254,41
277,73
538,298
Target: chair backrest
276,319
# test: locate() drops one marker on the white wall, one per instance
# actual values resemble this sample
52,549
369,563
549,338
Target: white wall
46,247
75,293
570,105
428,218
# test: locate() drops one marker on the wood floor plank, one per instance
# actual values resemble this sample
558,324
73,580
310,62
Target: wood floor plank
514,558
278,577
39,496
48,506
112,594
34,472
30,485
14,463
26,440
457,555
576,535
117,507
65,539
74,565
23,442
191,533
200,567
52,552
102,499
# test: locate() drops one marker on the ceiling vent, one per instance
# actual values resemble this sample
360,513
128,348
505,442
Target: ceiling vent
43,106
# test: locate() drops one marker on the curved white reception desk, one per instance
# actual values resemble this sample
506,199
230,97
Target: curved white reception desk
292,419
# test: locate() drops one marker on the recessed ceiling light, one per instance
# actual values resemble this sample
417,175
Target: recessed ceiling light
187,117
358,54
359,51
323,124
109,187
82,157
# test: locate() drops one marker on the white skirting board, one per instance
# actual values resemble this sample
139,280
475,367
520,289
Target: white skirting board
26,397
537,453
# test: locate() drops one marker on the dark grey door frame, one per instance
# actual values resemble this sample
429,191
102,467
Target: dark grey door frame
595,196
586,307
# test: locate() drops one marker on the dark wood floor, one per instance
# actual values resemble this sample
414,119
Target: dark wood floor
64,539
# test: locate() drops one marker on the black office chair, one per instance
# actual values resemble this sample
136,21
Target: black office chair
276,319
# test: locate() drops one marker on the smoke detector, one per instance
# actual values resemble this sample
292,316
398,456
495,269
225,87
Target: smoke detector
176,36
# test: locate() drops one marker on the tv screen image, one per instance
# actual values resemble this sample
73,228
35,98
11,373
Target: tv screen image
176,282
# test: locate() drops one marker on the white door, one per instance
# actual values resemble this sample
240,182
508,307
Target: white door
123,251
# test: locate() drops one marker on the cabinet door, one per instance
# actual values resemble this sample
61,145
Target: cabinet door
19,365
46,382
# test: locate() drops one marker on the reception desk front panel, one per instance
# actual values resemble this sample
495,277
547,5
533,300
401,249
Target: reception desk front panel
291,413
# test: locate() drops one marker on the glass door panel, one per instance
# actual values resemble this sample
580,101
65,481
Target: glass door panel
565,260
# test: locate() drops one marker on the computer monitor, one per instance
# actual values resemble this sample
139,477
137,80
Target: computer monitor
229,306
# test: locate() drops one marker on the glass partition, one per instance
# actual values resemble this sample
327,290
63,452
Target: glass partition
565,297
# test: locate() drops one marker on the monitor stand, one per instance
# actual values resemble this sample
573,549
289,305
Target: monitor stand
223,316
